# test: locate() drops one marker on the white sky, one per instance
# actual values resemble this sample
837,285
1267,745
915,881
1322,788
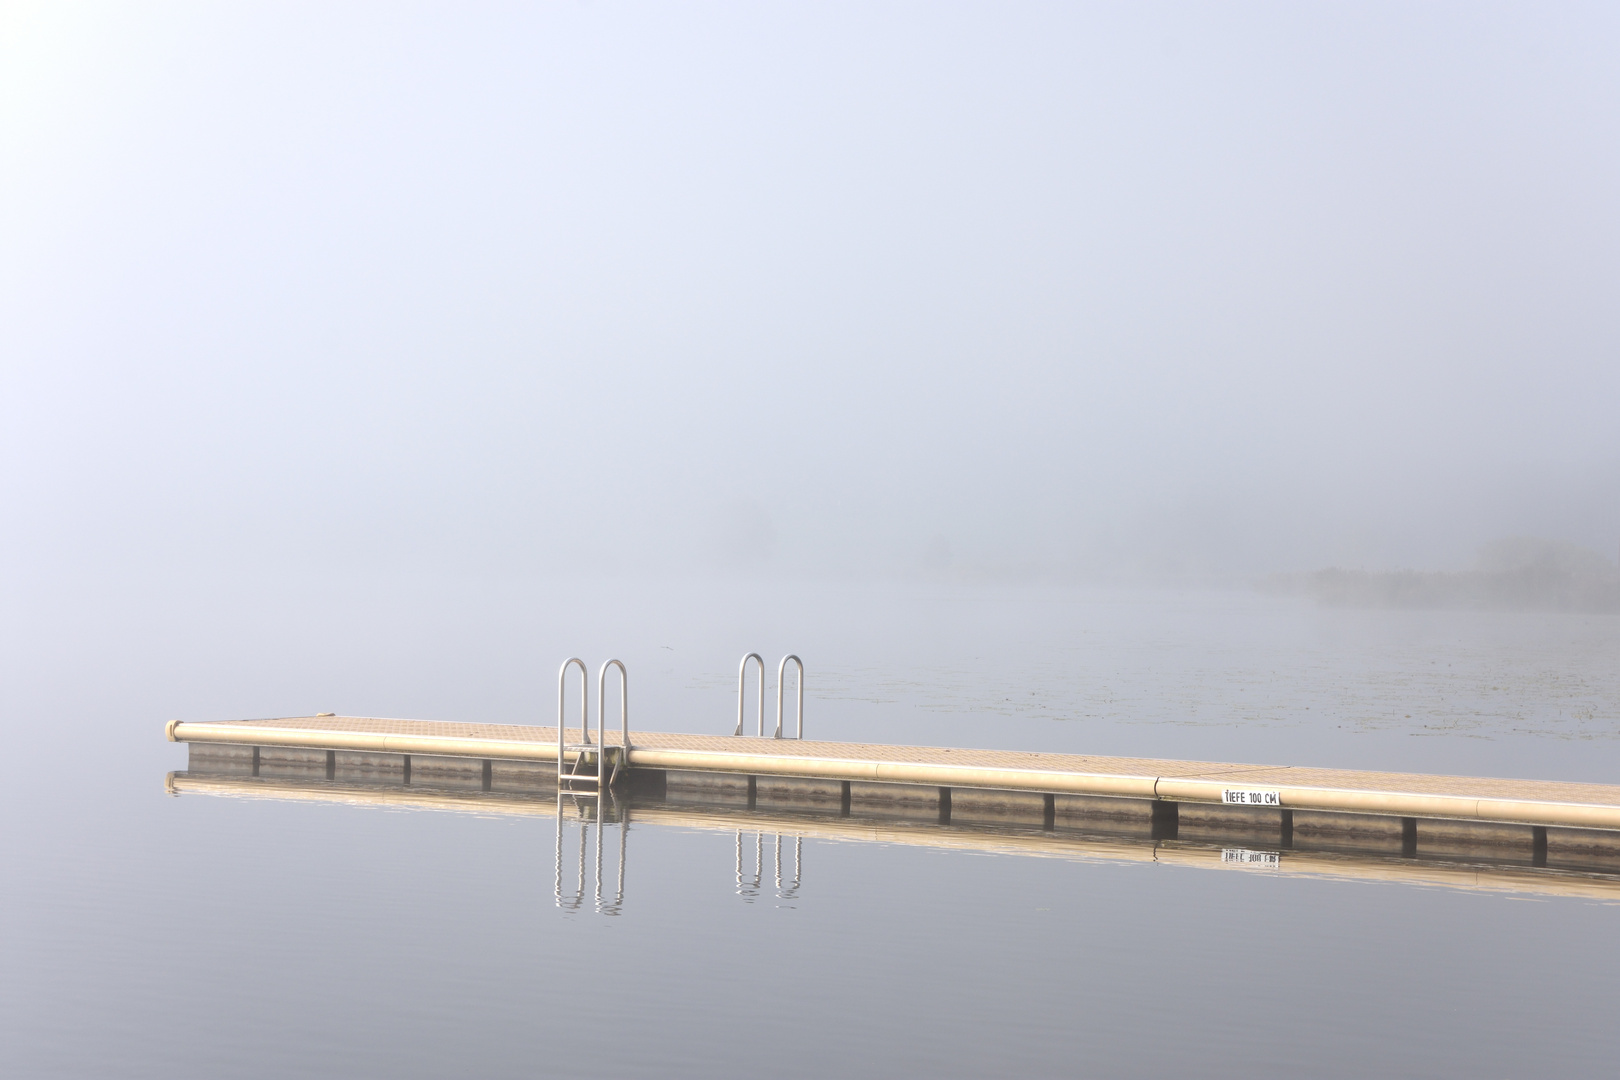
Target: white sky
1176,290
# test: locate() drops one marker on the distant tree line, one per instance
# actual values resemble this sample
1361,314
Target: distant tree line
1519,573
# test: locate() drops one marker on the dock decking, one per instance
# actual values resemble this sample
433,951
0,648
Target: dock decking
1538,804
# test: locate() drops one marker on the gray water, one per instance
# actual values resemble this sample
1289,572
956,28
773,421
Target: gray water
145,935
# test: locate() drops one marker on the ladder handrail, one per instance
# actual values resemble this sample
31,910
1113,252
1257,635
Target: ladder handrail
624,712
742,676
781,670
584,707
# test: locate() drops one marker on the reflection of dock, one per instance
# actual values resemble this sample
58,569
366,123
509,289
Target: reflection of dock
1540,823
777,823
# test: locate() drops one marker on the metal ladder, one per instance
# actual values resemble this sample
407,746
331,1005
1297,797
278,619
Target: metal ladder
585,751
781,670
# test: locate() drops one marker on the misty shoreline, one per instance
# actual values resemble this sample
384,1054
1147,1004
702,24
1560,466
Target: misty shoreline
1524,589
1514,574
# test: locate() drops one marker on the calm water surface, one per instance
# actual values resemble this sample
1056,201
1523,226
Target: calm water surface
145,935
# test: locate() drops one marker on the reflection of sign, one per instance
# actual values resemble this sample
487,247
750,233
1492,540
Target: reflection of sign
1265,860
1251,796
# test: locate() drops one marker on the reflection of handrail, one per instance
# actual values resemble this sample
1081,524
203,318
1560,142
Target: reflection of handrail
750,889
575,899
618,897
781,670
798,850
742,675
623,757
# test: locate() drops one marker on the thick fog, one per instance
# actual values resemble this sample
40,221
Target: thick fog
1131,291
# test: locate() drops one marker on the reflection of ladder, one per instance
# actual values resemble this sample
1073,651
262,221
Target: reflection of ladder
781,671
587,813
586,753
750,888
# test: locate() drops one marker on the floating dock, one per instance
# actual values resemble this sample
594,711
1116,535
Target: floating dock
1165,799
